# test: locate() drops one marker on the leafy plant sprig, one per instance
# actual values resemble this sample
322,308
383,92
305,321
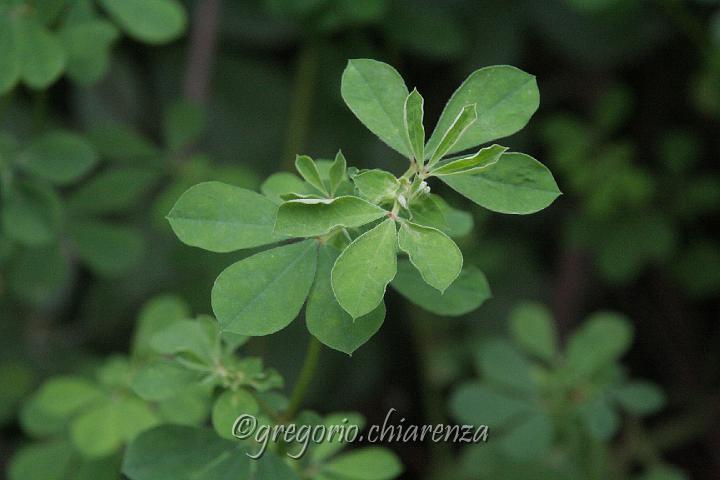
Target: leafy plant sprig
341,228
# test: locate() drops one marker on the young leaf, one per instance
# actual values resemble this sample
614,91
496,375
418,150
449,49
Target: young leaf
376,93
414,124
156,315
222,218
282,183
313,217
370,463
327,321
376,185
467,293
363,270
150,21
59,157
307,169
54,460
599,417
265,292
338,172
484,158
477,404
532,327
517,183
163,379
530,438
505,97
434,254
197,337
454,133
228,407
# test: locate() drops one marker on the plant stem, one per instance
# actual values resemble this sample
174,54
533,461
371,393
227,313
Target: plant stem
303,93
307,373
203,41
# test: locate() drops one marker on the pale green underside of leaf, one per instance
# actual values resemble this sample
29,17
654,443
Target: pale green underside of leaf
265,292
376,93
222,218
434,254
467,293
455,131
308,218
363,270
327,321
414,113
505,97
517,183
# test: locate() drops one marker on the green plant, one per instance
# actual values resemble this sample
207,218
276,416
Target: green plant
350,224
554,412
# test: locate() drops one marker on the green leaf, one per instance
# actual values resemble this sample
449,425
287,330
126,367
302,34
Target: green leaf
377,186
109,250
338,172
376,93
455,131
150,21
112,191
434,254
484,158
533,328
283,183
31,214
640,398
163,379
476,404
600,418
370,463
60,157
134,147
335,441
187,453
530,438
313,217
156,315
197,337
602,339
222,218
10,59
502,364
413,116
102,431
265,292
228,407
43,461
64,396
307,169
183,124
363,270
664,472
327,321
88,44
517,183
467,293
38,275
41,55
505,98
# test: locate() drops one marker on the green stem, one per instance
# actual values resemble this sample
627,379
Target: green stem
303,94
304,379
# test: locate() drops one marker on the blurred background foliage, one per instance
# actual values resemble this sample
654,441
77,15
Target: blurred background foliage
135,108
